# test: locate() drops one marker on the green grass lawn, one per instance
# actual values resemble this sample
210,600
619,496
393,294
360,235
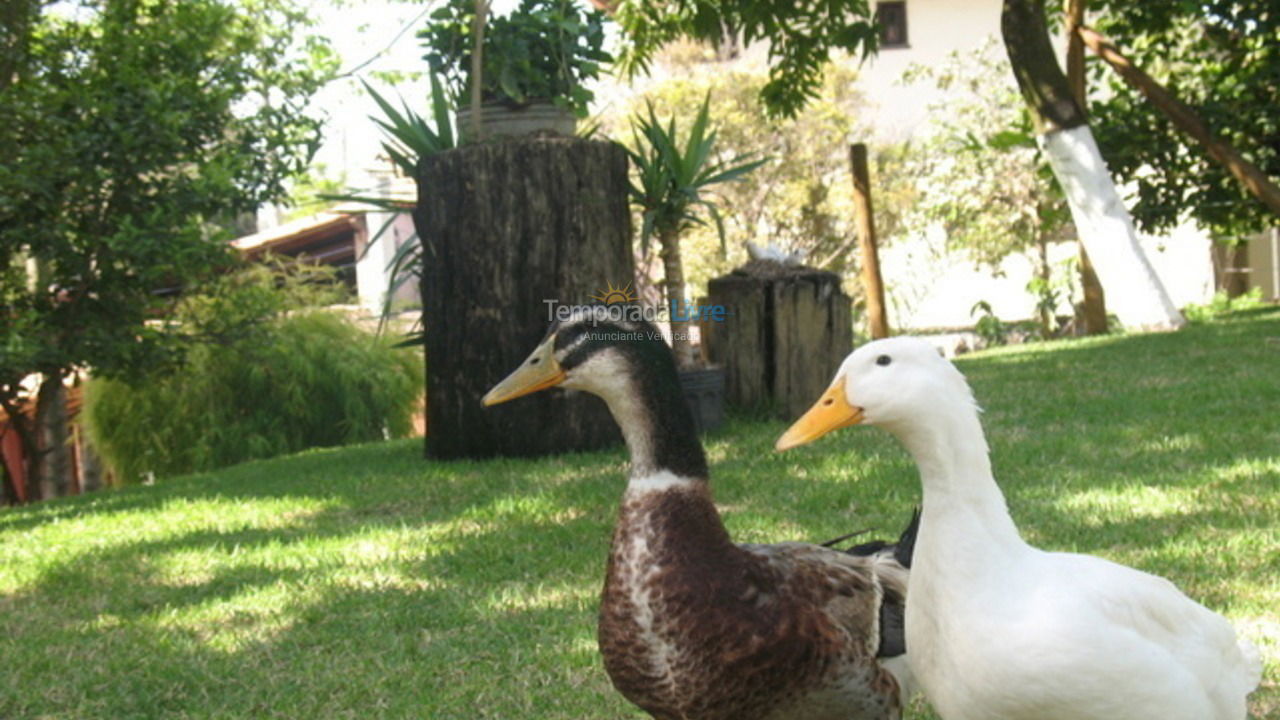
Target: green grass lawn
364,582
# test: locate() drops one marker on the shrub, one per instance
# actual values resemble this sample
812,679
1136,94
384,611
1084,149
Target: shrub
277,383
1222,304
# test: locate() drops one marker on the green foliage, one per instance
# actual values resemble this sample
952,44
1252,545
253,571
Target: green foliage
801,199
674,170
1222,304
989,327
1222,59
407,136
127,128
801,34
267,376
544,50
328,583
982,178
311,193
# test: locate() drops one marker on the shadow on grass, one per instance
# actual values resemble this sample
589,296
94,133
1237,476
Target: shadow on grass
497,593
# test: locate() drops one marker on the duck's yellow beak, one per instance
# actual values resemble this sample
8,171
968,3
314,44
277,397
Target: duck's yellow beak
539,372
832,411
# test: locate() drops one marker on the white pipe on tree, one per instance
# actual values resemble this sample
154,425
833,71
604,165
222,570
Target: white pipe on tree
1134,292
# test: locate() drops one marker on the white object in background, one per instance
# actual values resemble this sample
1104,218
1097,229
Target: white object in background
775,253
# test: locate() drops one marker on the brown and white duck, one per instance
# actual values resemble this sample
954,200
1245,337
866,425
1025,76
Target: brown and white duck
692,625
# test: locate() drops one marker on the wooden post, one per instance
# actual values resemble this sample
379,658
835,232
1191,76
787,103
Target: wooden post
872,283
1254,180
789,327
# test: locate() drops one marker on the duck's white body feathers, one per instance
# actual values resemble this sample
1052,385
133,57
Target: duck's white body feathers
1057,636
999,630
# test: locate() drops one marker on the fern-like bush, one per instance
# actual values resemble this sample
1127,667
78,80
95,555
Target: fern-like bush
278,381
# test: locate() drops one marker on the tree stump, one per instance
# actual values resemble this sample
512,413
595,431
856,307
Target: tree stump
787,330
505,227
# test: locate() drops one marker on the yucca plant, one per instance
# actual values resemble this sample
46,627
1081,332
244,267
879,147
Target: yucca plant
409,137
673,171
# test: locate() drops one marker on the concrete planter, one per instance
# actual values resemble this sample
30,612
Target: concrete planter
500,120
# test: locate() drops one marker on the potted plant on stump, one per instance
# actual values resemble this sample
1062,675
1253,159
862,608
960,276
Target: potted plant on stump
520,73
673,171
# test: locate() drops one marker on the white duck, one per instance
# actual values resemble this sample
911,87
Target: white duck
1000,630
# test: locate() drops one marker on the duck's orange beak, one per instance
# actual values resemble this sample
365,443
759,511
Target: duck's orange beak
539,372
832,411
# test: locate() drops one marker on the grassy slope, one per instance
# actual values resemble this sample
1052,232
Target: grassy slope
363,582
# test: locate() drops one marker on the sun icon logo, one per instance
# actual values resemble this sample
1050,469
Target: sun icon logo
614,295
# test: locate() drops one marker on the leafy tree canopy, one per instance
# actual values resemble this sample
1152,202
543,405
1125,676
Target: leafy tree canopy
130,130
801,36
1222,58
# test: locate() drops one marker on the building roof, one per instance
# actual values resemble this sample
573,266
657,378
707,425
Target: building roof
298,235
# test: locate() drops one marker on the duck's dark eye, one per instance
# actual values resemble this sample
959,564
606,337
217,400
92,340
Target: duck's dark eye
884,360
535,361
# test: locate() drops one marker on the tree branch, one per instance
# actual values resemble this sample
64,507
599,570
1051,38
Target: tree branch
1222,152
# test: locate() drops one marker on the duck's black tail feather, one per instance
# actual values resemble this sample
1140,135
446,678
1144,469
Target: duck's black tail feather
902,550
905,548
893,639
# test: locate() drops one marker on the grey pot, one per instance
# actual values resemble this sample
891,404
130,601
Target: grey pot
499,120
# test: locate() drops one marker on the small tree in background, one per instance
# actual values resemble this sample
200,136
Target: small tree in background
981,177
1222,60
673,171
129,129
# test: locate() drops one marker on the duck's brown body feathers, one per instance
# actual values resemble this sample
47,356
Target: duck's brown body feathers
692,626
695,627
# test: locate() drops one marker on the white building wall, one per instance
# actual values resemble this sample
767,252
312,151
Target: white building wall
373,260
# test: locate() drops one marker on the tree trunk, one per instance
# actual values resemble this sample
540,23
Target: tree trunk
91,470
505,228
1093,315
1073,20
872,282
6,480
1045,310
19,427
1093,308
51,466
673,283
1231,263
1133,289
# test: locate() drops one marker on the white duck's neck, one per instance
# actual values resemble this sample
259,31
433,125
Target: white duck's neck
964,510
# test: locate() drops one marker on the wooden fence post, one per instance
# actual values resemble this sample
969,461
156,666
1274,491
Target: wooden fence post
872,283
